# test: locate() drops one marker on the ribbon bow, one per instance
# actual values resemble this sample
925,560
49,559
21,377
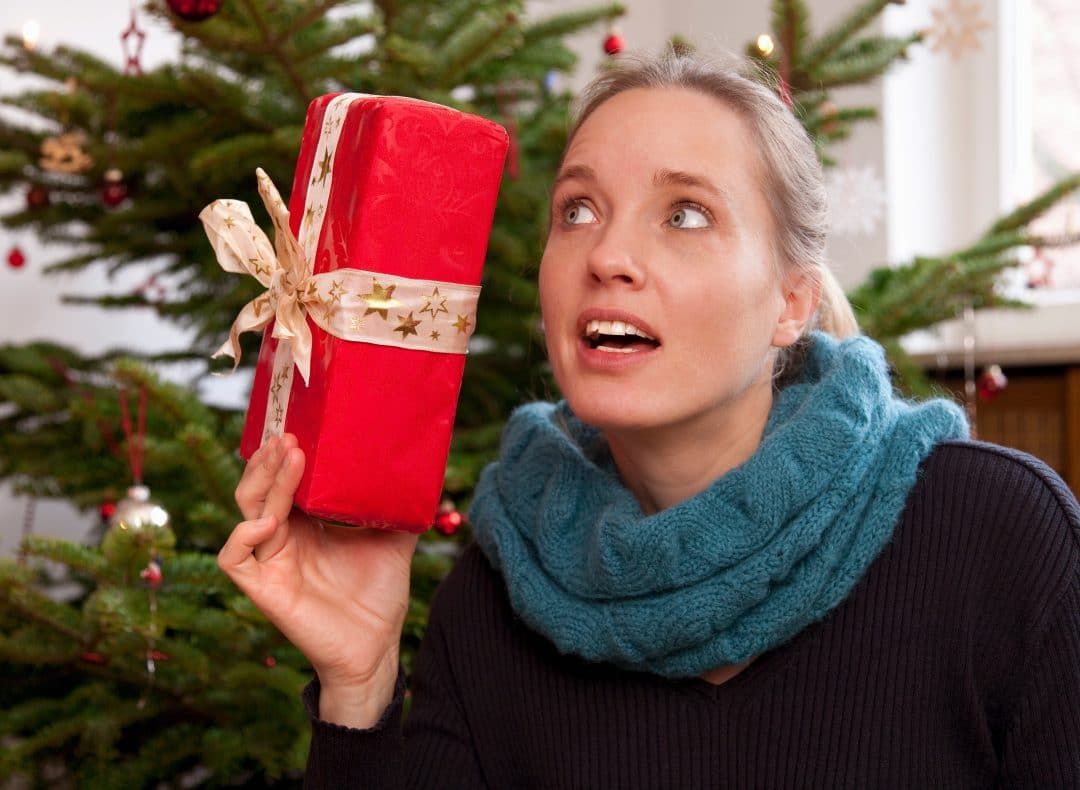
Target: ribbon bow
241,246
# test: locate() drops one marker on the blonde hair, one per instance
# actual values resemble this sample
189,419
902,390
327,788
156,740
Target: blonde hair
794,185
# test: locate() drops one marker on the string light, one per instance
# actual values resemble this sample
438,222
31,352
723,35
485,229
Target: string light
765,44
31,32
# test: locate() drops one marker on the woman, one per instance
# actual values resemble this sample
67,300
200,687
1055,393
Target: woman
731,558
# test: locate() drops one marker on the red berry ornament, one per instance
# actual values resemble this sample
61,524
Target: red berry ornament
614,43
270,662
448,519
37,197
90,657
106,510
992,383
152,574
194,10
16,259
115,191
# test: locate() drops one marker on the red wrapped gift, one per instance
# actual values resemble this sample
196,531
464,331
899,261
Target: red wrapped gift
372,284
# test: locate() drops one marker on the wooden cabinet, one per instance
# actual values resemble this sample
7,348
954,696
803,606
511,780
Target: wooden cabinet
1038,412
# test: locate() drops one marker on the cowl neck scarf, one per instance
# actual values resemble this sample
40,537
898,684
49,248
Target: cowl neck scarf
770,547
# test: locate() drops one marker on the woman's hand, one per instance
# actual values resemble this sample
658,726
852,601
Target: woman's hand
339,594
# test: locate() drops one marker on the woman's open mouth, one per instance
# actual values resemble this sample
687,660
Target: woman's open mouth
618,337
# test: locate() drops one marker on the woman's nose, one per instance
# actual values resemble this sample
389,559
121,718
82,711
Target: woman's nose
616,257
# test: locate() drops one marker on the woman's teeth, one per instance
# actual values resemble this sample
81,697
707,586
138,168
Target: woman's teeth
615,329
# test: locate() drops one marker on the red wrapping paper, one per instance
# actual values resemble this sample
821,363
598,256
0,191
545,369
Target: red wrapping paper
413,195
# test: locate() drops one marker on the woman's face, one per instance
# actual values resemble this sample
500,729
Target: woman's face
661,300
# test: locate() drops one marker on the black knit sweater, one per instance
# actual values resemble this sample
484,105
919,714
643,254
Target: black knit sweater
955,663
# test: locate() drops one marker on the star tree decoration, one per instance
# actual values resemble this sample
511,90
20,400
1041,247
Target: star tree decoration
956,29
132,39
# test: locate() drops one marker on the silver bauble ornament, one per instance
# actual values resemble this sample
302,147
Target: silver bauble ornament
138,530
138,511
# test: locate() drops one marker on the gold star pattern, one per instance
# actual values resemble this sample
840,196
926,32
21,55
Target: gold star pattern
434,334
434,304
356,323
956,28
336,292
309,215
279,381
462,324
259,266
324,168
279,414
260,303
229,222
380,300
407,326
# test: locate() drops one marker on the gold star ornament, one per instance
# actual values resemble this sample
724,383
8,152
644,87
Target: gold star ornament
407,326
324,167
380,300
462,324
434,304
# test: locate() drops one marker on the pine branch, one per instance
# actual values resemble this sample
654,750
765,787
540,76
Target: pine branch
791,21
841,33
1035,208
273,47
75,556
862,66
561,25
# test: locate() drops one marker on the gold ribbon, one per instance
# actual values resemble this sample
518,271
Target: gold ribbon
351,304
242,247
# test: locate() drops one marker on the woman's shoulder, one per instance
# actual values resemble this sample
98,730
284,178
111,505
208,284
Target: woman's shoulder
986,476
996,522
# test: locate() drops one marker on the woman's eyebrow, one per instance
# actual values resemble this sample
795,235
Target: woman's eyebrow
575,173
669,177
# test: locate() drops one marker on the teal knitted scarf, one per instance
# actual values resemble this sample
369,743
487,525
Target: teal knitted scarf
767,549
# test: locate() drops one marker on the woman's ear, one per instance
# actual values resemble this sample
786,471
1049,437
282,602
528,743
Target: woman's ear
802,294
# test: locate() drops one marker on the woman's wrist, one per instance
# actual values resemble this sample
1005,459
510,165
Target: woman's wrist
358,704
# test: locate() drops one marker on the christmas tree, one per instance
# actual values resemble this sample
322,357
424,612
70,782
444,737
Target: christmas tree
156,667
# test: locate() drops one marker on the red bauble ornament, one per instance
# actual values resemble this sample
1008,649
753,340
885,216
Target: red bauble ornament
448,519
115,191
90,657
992,383
270,661
37,197
106,510
614,43
16,259
194,10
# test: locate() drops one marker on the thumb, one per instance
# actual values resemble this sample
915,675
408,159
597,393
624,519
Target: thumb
237,557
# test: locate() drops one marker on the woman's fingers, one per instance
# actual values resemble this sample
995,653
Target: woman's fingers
279,501
237,557
258,477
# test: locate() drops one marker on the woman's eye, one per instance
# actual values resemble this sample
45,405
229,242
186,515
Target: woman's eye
688,217
578,214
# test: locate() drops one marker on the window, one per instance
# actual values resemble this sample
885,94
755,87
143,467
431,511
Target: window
1047,106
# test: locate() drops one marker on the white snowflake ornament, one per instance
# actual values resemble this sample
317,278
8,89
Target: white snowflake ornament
956,29
856,200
